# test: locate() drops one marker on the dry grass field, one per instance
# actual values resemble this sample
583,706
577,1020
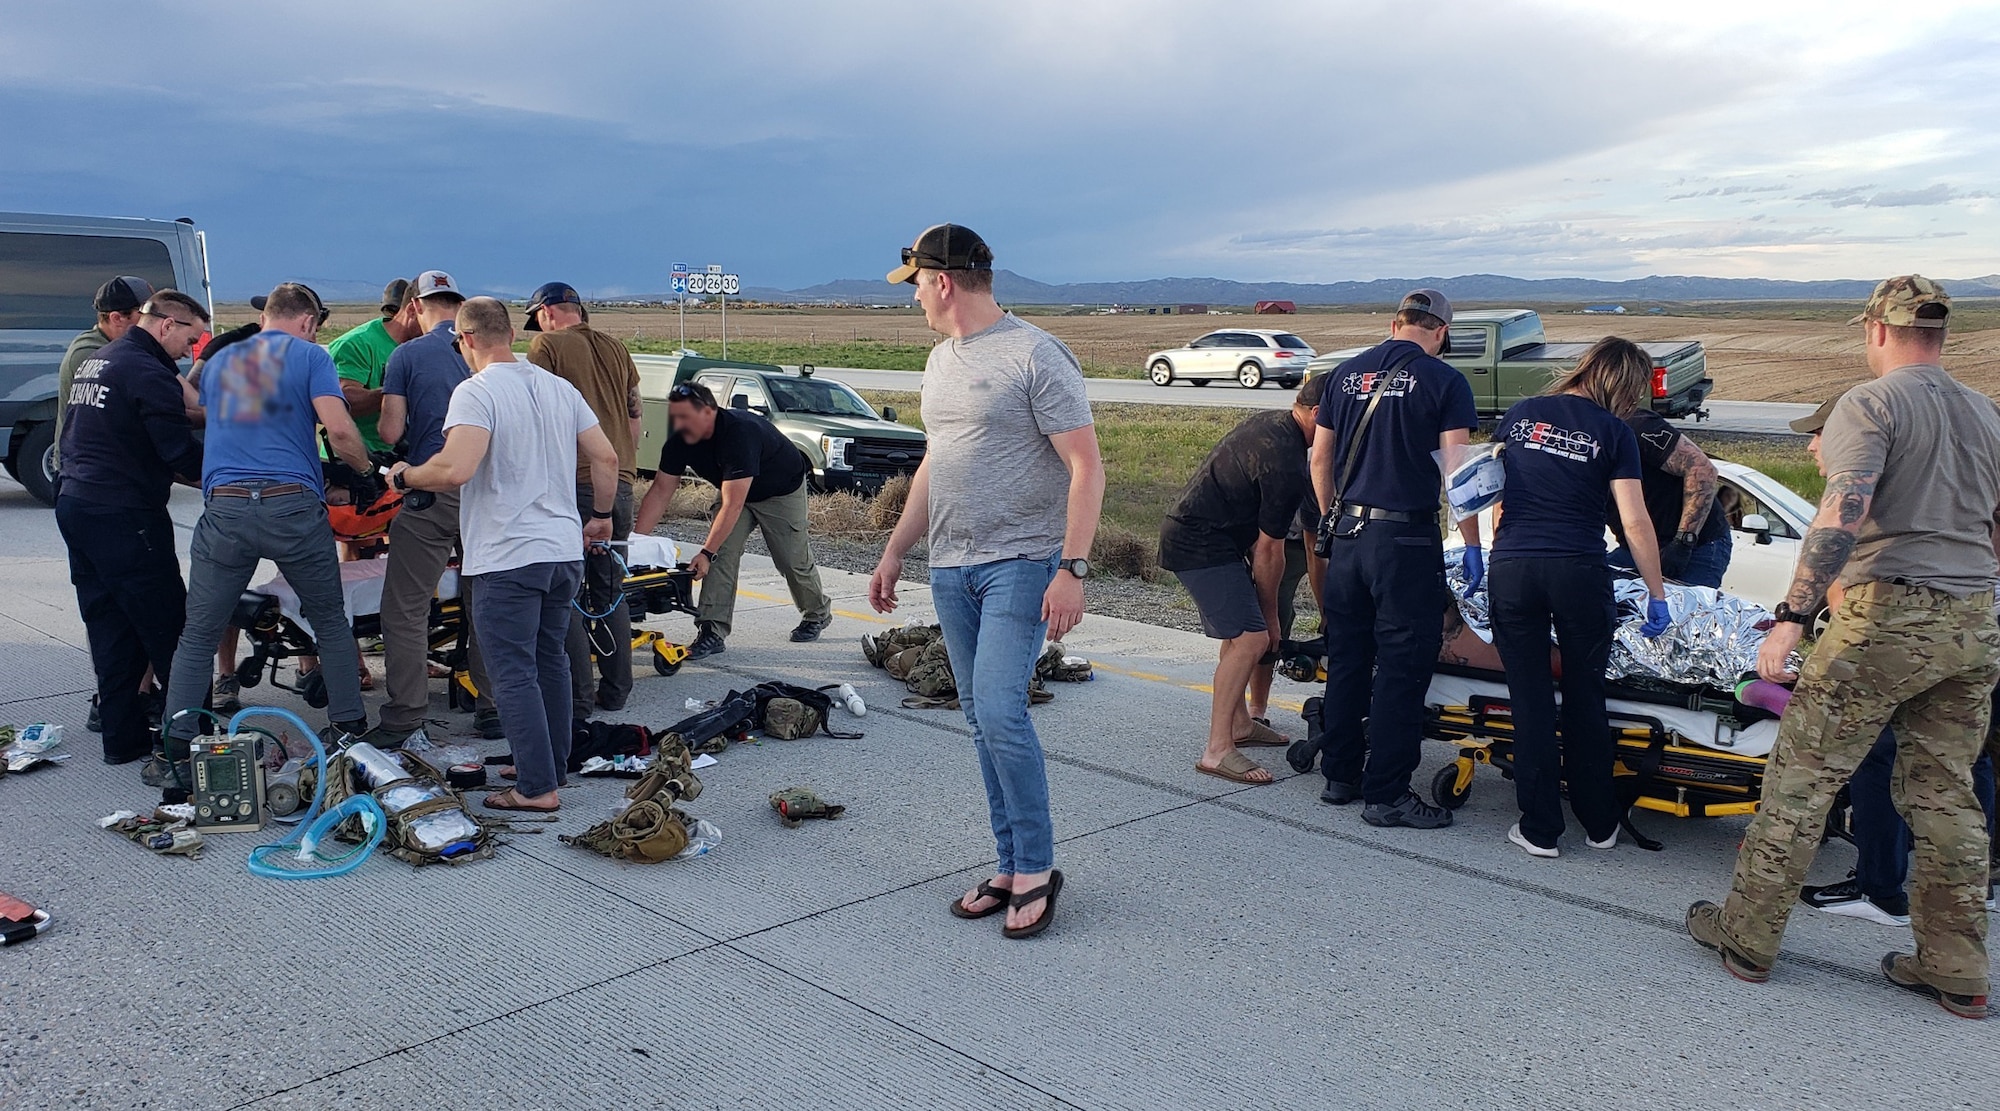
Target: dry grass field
1756,351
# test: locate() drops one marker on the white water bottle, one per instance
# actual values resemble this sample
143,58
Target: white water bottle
853,699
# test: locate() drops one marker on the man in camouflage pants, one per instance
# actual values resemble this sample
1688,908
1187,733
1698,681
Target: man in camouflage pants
1907,528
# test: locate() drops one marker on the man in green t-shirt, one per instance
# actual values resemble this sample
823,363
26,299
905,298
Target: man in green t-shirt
361,356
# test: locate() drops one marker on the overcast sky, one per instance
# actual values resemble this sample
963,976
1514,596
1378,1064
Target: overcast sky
600,141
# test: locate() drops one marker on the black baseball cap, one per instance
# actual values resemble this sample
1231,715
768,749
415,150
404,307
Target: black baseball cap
550,293
124,293
943,247
397,294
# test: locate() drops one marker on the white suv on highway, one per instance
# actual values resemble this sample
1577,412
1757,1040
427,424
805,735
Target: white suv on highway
1249,356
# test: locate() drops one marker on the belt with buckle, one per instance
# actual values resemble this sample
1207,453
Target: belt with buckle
1370,513
257,492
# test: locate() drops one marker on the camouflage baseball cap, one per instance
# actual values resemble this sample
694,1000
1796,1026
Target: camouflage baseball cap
1896,301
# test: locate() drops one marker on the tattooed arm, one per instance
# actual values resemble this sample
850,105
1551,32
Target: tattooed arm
1831,538
1698,483
1828,544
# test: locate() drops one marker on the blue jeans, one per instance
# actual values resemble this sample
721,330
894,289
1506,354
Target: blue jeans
991,614
1705,566
523,619
1881,836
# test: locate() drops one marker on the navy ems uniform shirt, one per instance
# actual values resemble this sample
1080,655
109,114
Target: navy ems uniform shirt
743,445
1664,492
127,434
1427,398
1252,482
1561,455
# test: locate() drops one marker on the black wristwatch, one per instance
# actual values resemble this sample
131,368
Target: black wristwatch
398,481
604,516
1785,612
1078,567
706,554
1687,538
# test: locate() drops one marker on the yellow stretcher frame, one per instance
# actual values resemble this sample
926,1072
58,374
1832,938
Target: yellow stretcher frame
1686,781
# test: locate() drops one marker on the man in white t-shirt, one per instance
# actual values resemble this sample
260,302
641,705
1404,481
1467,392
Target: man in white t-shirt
512,435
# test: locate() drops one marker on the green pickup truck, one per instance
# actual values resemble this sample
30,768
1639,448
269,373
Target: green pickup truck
846,443
1506,356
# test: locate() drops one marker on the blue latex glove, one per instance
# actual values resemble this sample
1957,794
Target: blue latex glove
1473,563
1658,617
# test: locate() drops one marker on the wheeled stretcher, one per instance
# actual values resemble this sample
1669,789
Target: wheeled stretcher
1686,751
277,630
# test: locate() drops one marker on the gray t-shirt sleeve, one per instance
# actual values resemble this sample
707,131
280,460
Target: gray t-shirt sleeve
1055,388
1856,437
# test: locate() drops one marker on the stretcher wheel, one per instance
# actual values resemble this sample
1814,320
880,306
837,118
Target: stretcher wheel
312,688
668,657
459,696
250,672
1444,786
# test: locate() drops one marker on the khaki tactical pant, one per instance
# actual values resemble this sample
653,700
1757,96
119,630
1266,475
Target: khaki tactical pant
420,544
783,522
1923,663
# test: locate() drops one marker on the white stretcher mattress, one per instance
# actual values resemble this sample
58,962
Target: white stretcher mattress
1709,730
361,580
360,586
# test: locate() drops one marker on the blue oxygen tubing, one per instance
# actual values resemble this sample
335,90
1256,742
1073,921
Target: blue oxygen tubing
305,861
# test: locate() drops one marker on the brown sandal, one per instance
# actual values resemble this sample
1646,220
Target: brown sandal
1236,768
986,891
1263,736
510,799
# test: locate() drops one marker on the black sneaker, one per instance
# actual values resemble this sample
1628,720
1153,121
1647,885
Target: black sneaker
116,758
1340,794
1408,811
486,723
1848,900
808,630
709,643
95,722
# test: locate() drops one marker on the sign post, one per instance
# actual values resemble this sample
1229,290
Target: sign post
680,287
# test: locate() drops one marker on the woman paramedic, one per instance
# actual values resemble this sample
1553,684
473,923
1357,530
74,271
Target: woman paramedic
1565,453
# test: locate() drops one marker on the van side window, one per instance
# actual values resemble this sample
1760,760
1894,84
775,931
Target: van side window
47,281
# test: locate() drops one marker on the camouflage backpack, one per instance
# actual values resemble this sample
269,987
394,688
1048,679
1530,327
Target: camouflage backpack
426,817
788,719
881,649
652,827
1055,667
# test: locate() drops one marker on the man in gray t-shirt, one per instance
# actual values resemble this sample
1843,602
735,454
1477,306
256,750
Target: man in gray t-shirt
1010,490
512,436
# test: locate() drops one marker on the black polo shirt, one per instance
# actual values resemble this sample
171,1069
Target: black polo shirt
1664,493
127,433
1251,483
744,445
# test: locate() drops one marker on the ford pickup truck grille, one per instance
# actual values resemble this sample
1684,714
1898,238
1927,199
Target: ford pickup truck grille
889,457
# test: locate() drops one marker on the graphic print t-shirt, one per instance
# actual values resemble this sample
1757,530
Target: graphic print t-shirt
1424,398
258,395
1561,455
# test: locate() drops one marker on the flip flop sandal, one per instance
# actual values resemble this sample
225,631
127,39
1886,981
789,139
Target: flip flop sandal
510,799
1263,736
986,891
1236,768
20,922
1048,891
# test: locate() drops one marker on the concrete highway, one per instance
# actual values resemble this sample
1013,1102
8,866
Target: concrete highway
1760,417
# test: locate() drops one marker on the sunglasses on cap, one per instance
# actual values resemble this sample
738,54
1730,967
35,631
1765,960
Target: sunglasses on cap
924,259
686,391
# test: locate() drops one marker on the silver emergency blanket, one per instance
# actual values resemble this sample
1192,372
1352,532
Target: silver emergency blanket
1713,641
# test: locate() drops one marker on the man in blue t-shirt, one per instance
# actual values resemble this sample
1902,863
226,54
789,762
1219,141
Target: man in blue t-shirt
1385,594
263,398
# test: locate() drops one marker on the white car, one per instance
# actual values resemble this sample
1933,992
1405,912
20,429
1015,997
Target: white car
1767,522
1248,356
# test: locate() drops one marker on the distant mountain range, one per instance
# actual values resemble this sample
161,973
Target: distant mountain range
1012,288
